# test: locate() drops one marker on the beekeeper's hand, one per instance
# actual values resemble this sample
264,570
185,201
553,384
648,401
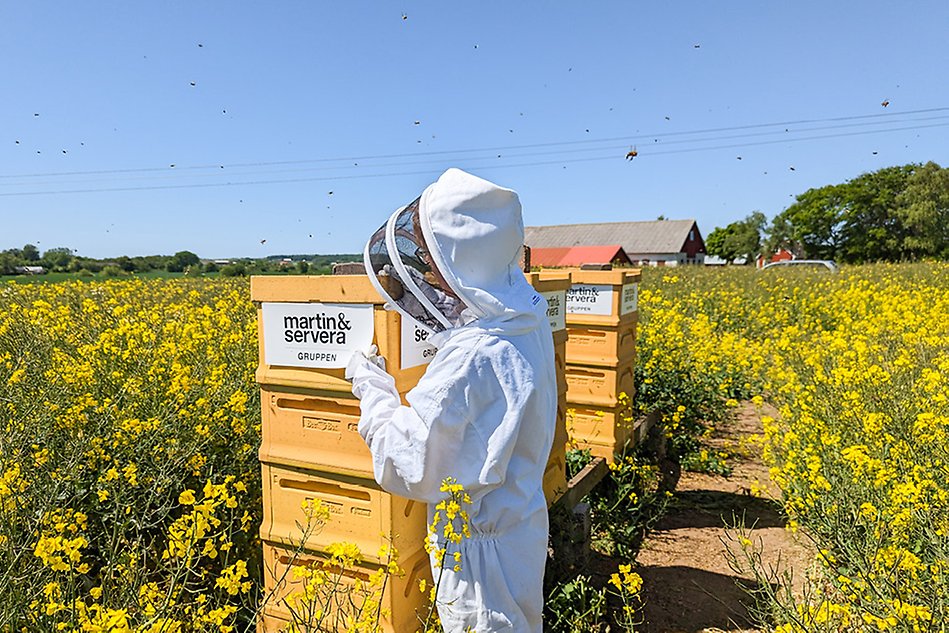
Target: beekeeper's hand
360,359
366,368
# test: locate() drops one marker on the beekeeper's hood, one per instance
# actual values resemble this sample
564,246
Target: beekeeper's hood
452,256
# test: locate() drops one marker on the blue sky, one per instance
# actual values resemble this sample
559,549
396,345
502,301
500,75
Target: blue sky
373,100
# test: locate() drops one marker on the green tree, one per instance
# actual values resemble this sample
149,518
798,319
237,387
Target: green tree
8,262
715,242
125,263
814,224
860,220
303,267
113,271
30,253
57,258
741,239
234,270
779,235
924,211
873,229
181,260
745,240
150,262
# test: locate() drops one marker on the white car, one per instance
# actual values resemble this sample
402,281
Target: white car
829,264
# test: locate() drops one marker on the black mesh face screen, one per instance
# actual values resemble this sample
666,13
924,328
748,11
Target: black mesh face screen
380,265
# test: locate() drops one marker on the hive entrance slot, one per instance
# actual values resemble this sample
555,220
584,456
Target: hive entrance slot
584,372
317,404
321,488
333,570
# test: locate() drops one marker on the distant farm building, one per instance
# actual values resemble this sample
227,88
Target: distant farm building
654,243
782,255
578,255
29,270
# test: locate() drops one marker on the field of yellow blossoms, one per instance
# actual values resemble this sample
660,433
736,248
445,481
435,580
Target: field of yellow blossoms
857,365
130,490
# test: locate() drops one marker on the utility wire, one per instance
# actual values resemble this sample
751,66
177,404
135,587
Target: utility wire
611,156
868,119
616,150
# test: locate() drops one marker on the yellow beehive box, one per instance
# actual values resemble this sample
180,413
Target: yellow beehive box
359,512
562,407
284,585
309,326
560,430
560,359
600,386
610,426
553,287
555,476
602,297
310,429
608,345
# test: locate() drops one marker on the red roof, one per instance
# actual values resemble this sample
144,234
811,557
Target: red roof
578,255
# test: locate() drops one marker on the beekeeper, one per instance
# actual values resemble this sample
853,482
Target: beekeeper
484,411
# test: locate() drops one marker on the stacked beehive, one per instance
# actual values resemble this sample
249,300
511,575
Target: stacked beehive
553,287
602,315
311,449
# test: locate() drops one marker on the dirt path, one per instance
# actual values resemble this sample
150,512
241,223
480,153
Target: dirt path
688,586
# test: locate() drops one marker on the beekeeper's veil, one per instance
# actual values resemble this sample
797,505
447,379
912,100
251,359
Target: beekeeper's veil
451,256
400,266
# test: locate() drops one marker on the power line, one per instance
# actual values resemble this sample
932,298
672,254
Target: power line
613,149
868,119
611,156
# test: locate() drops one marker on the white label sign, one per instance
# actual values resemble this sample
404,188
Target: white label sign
590,299
556,309
415,351
323,335
629,299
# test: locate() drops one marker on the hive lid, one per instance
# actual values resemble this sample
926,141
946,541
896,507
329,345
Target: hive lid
547,281
318,288
605,277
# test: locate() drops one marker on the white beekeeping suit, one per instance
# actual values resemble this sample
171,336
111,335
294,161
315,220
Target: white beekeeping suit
484,411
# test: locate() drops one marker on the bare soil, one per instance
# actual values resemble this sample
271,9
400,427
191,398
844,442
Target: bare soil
688,586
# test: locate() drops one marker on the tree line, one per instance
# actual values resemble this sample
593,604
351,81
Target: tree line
893,214
63,259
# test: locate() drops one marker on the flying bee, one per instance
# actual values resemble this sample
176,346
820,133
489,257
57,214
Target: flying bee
632,153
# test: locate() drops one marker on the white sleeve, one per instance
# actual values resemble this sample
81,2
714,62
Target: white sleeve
414,448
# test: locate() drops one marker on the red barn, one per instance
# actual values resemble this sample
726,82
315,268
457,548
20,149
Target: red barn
578,255
655,243
782,255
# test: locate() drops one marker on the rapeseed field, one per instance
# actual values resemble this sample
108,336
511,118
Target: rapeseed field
130,489
857,365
